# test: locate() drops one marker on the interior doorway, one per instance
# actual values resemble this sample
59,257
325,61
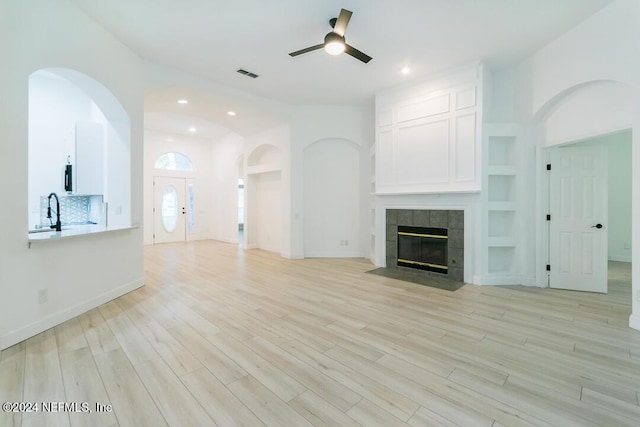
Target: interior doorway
241,211
613,220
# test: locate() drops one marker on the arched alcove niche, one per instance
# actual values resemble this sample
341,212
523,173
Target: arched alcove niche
595,113
331,183
74,119
264,199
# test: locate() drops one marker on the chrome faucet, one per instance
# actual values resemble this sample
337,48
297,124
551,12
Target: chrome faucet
58,226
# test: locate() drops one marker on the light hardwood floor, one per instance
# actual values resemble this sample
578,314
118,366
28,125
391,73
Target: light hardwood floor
230,337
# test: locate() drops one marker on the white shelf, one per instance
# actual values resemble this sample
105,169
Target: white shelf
500,223
501,260
501,188
501,150
501,204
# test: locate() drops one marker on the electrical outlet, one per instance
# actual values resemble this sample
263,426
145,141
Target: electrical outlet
346,243
627,245
43,296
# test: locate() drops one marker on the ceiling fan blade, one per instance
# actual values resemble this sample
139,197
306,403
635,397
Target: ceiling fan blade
350,50
309,49
341,24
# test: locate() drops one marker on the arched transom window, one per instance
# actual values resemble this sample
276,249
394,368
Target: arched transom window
174,161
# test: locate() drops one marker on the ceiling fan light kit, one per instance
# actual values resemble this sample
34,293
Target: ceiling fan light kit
334,42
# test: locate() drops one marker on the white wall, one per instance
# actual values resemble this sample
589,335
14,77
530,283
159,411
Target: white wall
310,124
619,226
428,134
602,48
332,199
79,273
226,157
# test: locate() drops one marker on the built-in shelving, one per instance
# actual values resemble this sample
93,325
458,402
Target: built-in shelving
500,263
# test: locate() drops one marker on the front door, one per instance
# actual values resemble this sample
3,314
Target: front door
170,210
578,228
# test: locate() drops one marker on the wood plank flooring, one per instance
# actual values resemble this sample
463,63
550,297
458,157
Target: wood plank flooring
222,336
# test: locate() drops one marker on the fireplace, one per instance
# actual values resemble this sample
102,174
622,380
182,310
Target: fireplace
426,241
424,248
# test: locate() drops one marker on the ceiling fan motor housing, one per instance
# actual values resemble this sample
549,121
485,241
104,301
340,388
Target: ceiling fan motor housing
333,38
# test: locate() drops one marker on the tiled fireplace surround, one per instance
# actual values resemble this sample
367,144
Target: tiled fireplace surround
452,220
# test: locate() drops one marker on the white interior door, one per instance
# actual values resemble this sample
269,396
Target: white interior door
578,227
170,210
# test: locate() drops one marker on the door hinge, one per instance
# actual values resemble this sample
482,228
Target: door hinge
154,209
548,217
548,166
548,267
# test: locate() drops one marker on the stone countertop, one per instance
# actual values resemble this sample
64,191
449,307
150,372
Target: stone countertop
73,231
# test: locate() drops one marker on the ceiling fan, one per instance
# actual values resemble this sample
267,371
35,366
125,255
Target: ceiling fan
334,42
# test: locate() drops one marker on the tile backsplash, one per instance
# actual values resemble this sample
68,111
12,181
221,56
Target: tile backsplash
75,210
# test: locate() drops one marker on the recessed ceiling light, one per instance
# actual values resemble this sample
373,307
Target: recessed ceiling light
405,70
169,139
182,101
231,113
192,129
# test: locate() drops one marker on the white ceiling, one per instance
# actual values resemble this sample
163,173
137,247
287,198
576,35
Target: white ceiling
212,39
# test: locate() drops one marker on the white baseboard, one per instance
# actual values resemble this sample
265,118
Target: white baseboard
530,281
289,255
502,280
333,255
620,258
634,322
59,317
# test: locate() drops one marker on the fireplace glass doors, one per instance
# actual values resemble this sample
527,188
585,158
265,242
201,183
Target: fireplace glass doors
424,248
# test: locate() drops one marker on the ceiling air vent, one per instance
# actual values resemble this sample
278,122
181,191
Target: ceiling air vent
247,73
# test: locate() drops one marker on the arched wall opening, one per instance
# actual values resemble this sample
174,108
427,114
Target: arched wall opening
332,192
241,202
592,114
586,110
74,120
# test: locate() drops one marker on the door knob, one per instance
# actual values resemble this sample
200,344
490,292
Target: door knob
597,226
